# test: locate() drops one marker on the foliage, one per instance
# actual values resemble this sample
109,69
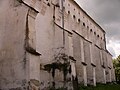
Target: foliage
116,64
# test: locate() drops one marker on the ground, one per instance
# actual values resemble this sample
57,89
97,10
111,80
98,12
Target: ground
102,87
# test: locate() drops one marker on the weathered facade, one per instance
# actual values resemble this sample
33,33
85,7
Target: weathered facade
51,43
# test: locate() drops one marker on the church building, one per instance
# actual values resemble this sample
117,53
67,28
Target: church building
51,44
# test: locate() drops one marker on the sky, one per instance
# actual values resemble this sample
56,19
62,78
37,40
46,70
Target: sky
107,14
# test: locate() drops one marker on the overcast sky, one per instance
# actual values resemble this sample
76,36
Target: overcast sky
107,14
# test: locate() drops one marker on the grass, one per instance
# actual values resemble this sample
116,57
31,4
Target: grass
101,87
98,87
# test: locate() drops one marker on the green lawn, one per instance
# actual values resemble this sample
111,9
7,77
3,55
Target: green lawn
102,87
98,87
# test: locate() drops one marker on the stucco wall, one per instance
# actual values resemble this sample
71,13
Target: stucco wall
12,53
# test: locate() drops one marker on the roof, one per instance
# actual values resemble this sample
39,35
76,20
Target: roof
88,15
109,52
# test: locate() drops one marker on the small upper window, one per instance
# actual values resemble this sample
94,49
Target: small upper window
98,36
68,4
83,24
95,33
87,27
91,30
68,12
74,16
78,20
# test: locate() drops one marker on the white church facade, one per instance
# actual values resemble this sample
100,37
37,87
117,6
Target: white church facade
51,43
